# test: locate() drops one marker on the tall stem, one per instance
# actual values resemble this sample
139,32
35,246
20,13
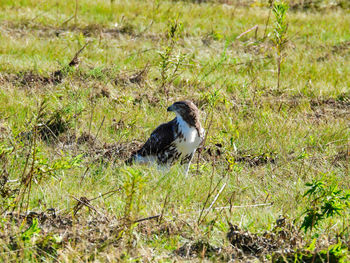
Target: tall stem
278,70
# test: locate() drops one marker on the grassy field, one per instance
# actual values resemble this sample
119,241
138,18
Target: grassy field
69,119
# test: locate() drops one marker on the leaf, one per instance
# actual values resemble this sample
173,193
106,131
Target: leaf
31,231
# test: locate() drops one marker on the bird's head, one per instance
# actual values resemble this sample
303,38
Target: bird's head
184,108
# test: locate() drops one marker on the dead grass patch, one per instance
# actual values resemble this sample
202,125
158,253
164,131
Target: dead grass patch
201,249
336,107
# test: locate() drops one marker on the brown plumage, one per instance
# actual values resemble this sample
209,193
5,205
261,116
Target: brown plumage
175,140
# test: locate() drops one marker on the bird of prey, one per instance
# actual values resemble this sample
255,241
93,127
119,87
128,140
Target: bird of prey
175,140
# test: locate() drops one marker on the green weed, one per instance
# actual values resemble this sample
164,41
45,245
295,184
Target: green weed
325,201
279,34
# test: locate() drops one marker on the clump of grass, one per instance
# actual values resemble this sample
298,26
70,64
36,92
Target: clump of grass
55,124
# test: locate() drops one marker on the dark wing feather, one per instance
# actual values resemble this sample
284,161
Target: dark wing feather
160,139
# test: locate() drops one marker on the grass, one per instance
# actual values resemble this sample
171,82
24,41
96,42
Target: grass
264,144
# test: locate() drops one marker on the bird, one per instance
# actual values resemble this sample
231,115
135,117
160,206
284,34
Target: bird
176,140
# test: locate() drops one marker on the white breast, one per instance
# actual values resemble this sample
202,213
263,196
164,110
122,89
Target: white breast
190,140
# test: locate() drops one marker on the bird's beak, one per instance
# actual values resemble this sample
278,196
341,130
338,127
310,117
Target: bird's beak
170,108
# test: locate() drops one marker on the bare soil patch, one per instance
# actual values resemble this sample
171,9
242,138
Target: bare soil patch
336,107
217,152
99,150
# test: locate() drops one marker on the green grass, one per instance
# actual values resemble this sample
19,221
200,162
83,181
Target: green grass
303,126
